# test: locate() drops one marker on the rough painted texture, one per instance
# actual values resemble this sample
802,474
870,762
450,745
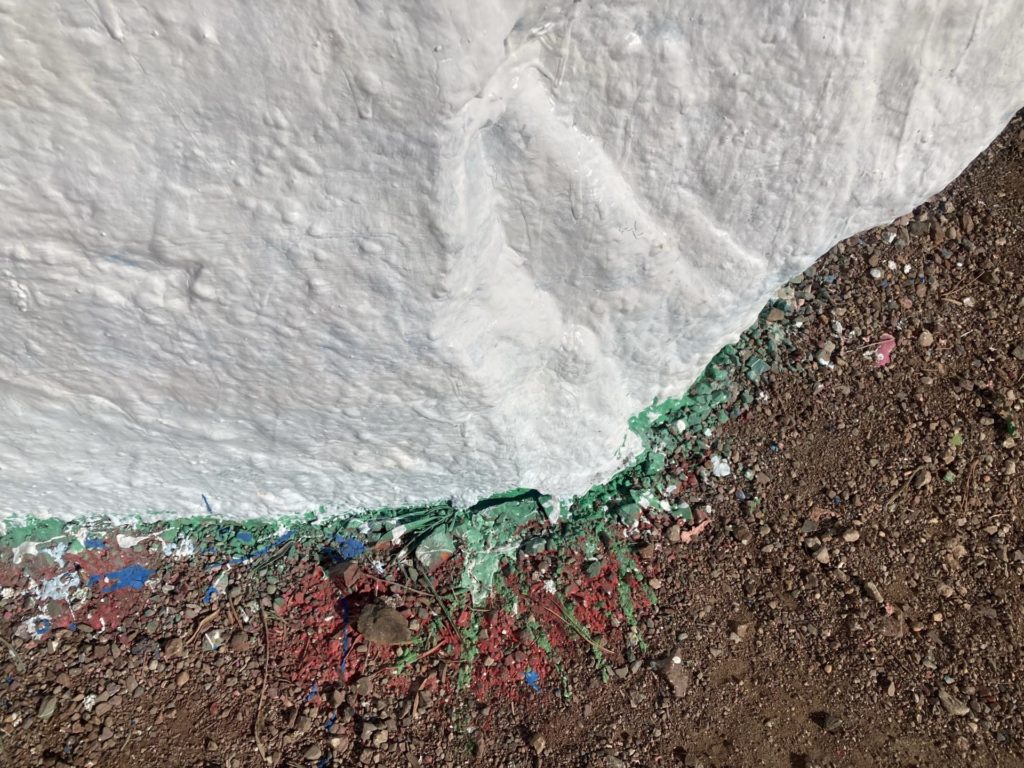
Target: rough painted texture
371,255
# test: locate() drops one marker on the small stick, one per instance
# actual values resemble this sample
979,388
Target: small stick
424,655
234,615
18,664
967,485
203,624
875,344
402,586
965,283
899,491
275,557
437,597
573,626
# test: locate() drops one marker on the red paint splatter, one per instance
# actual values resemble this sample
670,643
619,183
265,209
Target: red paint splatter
883,354
105,611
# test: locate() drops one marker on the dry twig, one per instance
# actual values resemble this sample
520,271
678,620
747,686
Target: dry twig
206,621
18,663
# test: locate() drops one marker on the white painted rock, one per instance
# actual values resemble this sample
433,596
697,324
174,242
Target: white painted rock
366,254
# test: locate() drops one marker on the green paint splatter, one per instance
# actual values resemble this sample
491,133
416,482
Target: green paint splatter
34,530
491,531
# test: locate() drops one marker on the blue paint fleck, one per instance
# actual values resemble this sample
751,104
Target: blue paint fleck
120,259
532,679
9,679
331,720
210,592
91,543
343,548
207,503
348,546
42,627
312,691
130,577
325,762
244,536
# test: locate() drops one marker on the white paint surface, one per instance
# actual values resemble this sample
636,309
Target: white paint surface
367,254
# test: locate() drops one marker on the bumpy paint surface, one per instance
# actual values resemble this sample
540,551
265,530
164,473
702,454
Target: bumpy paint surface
370,254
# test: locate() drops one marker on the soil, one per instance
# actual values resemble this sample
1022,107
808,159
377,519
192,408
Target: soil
857,598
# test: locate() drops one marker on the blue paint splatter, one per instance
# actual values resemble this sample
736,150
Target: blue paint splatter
348,546
130,577
210,592
244,536
532,679
91,543
343,548
42,627
331,720
312,691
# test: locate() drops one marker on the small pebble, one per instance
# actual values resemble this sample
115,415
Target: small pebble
312,754
538,743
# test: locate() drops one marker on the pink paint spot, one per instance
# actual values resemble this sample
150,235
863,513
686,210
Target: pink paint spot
686,537
883,354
